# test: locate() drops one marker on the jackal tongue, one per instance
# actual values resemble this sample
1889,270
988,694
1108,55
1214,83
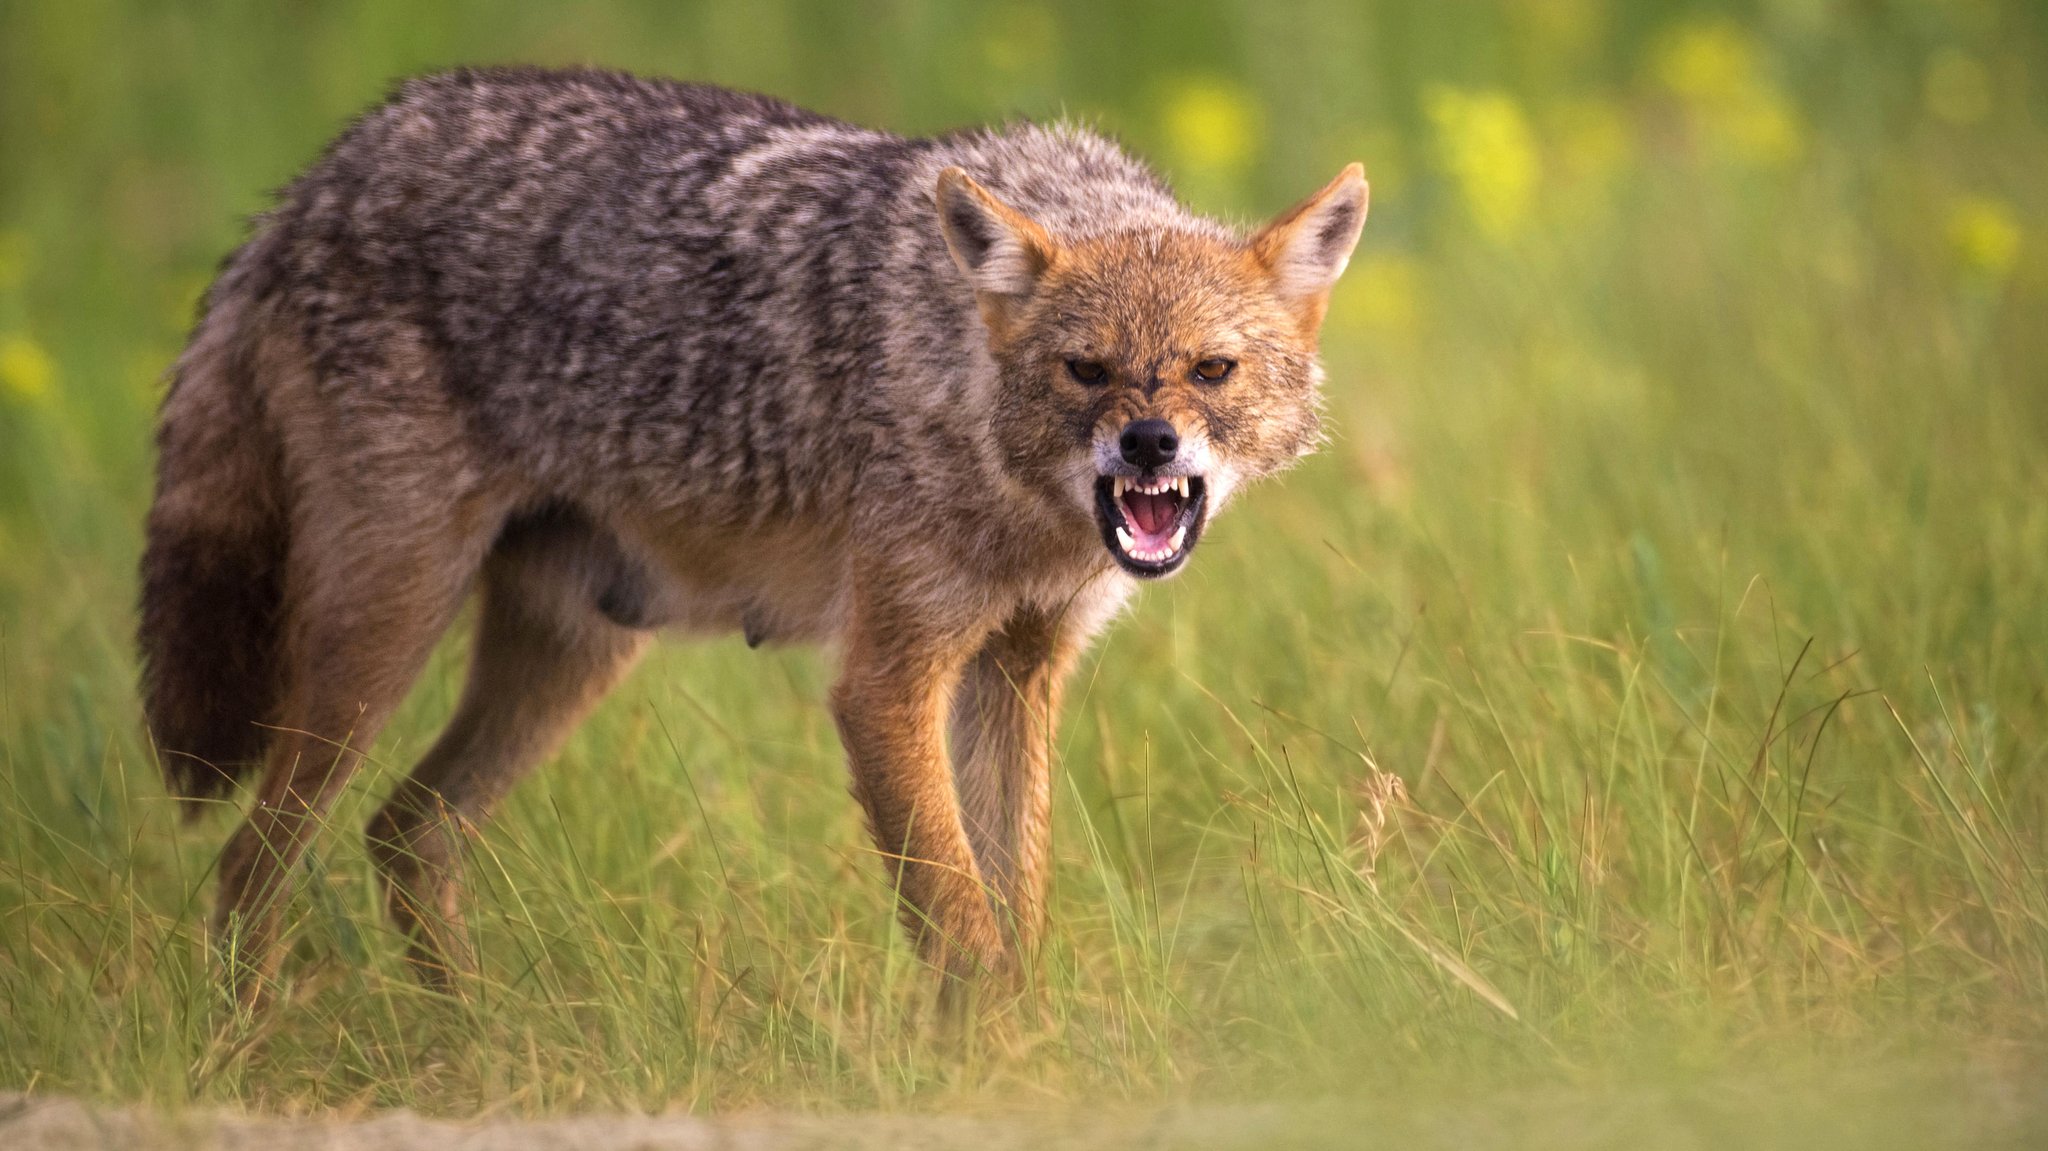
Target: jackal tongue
1151,514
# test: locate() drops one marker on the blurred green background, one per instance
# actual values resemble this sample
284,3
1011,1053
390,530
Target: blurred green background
1652,673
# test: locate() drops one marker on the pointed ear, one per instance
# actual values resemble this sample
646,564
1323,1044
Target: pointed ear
1306,249
1000,250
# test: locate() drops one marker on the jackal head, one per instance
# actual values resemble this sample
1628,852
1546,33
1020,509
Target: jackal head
1149,371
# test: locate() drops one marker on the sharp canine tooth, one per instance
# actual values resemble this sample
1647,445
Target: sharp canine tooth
1182,483
1180,533
1123,536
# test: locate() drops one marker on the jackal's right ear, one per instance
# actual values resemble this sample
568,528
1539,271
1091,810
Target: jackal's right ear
1000,250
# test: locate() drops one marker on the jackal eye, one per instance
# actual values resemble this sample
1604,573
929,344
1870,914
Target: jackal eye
1087,371
1214,371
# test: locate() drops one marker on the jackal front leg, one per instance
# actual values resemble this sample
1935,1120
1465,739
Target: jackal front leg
890,704
1003,719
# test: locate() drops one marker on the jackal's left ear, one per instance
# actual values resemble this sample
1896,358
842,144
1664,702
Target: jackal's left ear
1306,249
1000,250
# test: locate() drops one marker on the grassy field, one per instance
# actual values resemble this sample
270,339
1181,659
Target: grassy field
1649,684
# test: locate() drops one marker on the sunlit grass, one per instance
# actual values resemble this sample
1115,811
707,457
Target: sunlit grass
1644,685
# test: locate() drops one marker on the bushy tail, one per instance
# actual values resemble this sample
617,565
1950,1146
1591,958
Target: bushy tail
213,565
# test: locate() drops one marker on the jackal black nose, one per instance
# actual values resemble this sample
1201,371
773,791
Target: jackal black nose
1149,443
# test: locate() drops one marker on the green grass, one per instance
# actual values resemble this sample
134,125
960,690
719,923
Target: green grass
1681,549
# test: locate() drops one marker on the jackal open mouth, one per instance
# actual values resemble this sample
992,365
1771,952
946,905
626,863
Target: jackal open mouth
1150,523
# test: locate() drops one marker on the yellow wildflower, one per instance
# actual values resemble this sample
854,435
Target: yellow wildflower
1707,61
1484,143
1211,125
1984,236
26,371
1715,69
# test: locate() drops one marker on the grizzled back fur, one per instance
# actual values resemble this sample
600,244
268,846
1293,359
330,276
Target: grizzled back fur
711,290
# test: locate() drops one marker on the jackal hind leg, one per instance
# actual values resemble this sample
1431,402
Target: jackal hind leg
1003,717
543,655
366,601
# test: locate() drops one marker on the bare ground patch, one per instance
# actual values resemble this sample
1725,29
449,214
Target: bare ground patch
1865,1110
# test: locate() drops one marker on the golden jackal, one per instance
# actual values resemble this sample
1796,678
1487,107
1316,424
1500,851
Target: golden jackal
628,355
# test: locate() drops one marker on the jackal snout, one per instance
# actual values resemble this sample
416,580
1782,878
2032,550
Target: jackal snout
1148,443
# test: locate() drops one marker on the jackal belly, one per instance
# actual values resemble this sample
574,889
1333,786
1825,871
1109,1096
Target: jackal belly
773,584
